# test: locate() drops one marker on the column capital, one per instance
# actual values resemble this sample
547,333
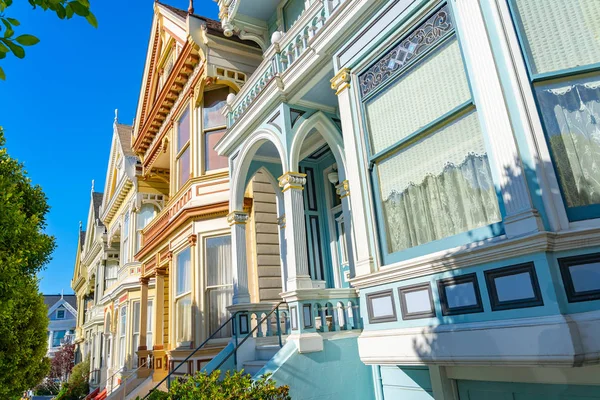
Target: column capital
341,81
292,180
144,281
237,218
343,189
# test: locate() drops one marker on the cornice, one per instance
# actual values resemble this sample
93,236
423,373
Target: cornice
480,253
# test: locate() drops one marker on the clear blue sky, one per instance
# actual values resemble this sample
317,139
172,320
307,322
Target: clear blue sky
57,107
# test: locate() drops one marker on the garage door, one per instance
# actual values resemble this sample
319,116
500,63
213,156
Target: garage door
480,390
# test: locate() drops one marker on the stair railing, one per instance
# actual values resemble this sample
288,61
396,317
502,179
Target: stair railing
168,377
250,334
124,380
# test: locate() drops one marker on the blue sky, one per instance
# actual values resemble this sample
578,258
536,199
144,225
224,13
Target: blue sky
57,107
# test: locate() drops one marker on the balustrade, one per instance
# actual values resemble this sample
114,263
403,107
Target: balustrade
249,318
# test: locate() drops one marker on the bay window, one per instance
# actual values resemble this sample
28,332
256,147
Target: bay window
136,332
144,217
183,156
122,335
214,126
110,273
560,43
219,285
125,240
429,165
183,296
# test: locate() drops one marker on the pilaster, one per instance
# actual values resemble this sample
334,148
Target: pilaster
292,185
237,221
143,315
521,218
363,254
158,321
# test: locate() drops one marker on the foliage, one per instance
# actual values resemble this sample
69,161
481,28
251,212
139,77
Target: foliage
64,9
236,386
24,249
78,384
62,363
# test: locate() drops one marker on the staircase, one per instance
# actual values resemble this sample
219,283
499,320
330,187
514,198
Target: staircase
264,352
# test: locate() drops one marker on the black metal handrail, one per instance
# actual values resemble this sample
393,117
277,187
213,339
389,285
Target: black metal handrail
168,377
249,334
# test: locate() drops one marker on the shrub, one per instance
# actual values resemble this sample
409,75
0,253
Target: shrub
236,386
78,384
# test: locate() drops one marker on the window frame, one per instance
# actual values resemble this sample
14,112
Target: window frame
496,304
386,318
138,230
122,334
213,129
432,128
457,280
402,291
574,214
64,313
564,264
207,288
185,147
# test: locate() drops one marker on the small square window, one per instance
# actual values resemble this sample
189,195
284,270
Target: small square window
581,277
416,301
515,286
294,318
381,307
60,314
460,295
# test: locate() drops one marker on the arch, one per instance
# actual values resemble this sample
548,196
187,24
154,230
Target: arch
328,131
244,159
273,181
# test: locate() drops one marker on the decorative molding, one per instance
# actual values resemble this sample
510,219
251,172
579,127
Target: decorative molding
519,269
237,218
341,81
373,319
192,239
292,180
343,189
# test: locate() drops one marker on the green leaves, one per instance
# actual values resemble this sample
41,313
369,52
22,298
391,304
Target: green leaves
64,9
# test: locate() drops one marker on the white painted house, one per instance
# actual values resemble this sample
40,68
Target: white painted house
62,313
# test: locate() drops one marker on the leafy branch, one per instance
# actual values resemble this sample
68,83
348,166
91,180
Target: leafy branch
64,9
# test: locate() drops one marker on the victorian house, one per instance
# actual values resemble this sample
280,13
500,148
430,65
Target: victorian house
370,199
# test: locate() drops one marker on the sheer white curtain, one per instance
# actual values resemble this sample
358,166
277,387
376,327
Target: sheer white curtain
144,216
219,282
183,296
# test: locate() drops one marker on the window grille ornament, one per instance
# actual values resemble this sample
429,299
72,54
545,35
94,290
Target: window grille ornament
424,37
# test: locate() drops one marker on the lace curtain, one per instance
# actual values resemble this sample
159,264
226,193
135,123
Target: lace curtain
438,187
571,114
219,282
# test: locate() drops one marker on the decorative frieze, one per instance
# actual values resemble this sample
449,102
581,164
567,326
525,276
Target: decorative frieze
237,218
292,180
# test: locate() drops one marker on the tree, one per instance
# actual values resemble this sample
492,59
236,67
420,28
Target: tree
24,250
234,386
62,363
78,385
64,9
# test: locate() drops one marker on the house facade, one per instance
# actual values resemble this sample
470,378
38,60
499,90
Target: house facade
373,199
62,313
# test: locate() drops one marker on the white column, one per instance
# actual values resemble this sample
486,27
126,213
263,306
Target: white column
363,254
343,190
237,220
298,277
521,218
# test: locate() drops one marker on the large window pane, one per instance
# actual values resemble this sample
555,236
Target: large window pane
435,87
219,282
438,186
212,159
184,317
214,101
560,34
184,167
183,130
183,272
571,114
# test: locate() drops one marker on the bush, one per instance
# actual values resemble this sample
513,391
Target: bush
236,386
78,384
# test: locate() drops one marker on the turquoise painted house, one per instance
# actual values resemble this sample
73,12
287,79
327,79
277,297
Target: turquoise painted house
434,174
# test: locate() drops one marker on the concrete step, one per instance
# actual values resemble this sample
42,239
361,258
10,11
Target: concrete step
266,351
252,367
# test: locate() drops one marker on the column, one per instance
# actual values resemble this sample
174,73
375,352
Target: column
292,186
143,314
520,216
159,299
343,190
237,221
363,254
